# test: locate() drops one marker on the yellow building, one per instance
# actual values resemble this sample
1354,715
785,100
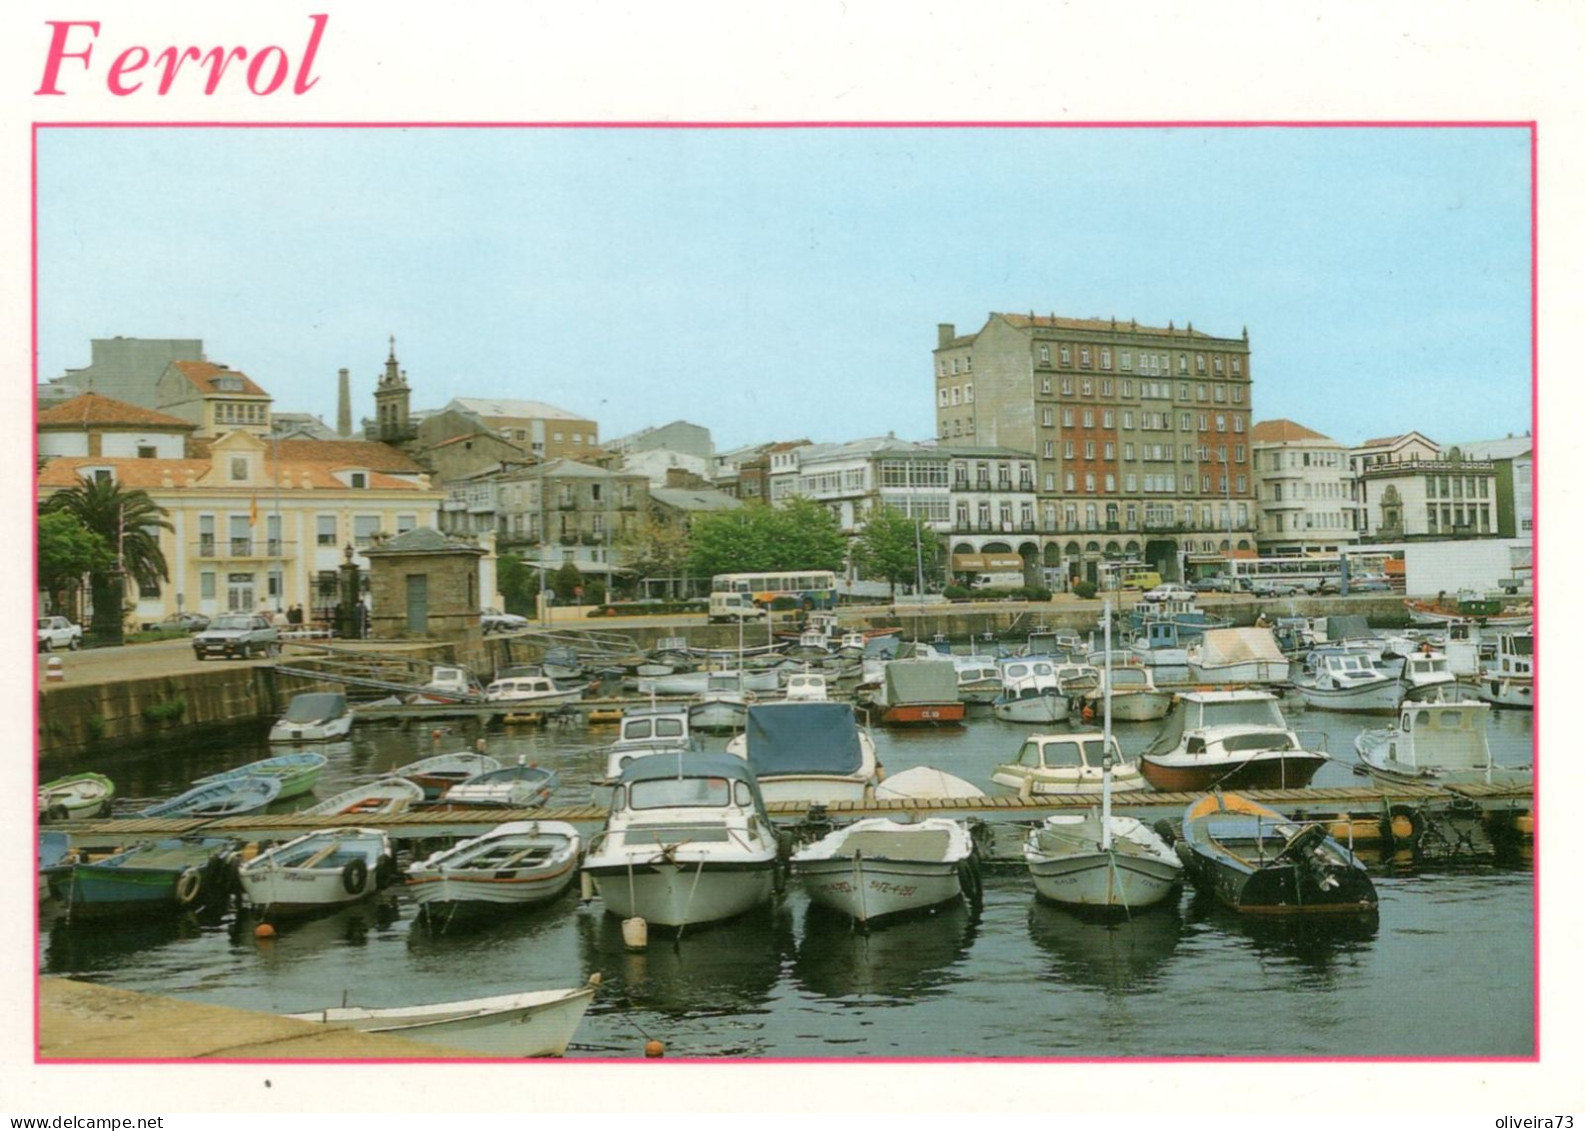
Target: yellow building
217,398
262,523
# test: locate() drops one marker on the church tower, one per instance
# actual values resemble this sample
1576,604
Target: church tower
391,402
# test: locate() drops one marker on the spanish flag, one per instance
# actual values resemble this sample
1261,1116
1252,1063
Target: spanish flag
253,511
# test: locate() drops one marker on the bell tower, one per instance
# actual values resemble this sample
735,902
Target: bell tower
391,402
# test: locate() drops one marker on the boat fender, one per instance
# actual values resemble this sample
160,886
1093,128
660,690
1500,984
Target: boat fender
1403,826
57,812
355,877
188,886
1165,831
384,873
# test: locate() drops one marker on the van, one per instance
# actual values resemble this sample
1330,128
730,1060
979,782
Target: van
1141,579
733,606
1005,580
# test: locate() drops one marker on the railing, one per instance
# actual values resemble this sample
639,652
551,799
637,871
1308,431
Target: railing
219,549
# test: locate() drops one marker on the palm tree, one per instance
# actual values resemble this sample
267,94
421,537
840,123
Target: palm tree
129,522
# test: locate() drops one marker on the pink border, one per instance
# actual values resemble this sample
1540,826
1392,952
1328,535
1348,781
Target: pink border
1535,420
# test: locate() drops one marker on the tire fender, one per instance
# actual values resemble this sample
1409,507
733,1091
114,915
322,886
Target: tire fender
57,812
189,886
355,877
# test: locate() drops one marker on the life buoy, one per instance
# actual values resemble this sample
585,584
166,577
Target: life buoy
355,877
188,886
384,873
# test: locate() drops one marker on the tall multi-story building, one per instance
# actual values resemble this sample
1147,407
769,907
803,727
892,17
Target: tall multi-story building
1304,490
1514,462
1408,489
539,429
1140,434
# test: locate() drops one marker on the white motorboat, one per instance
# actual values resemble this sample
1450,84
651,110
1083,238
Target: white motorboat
315,716
517,864
1228,739
1095,859
1347,681
383,798
877,868
659,728
1067,764
687,841
1437,742
1510,681
698,682
532,691
811,752
77,797
720,706
806,687
523,786
1237,655
1135,696
1030,693
535,1023
1425,671
322,869
979,680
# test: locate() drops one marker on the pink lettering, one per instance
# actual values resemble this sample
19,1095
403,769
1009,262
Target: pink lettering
172,61
58,52
255,67
124,65
217,59
309,54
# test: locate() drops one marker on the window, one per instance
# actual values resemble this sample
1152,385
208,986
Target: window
1045,383
1238,394
147,451
1238,366
1106,386
1216,363
1089,482
1183,390
1238,453
1185,421
1220,393
1199,363
968,393
1066,355
1089,418
1067,418
1067,386
1128,387
1128,419
1049,449
954,367
1238,424
1128,451
1204,422
239,468
1089,449
1086,386
364,528
1050,481
406,522
957,394
1045,355
1067,449
941,397
1045,418
1108,419
968,364
1242,485
1106,358
1111,450
1067,481
206,585
1221,422
1084,357
359,479
325,530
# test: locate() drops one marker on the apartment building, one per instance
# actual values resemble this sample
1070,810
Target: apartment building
1304,490
1140,434
1408,489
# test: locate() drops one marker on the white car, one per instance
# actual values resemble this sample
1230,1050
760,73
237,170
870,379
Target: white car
1171,591
58,632
494,620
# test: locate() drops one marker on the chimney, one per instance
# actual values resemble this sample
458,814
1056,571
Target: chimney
945,332
344,406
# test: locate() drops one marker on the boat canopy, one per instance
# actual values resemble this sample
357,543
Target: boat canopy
660,767
1348,628
1221,647
316,705
921,681
811,738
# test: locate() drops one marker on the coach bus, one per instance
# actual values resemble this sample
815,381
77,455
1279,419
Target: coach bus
804,589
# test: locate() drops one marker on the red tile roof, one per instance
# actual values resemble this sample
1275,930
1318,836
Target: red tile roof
351,453
203,373
1273,431
94,409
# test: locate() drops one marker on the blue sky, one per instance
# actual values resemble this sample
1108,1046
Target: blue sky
772,284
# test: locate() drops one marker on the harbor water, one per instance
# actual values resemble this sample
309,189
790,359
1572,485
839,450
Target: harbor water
1445,970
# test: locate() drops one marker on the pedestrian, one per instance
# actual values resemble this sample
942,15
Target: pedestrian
363,619
294,615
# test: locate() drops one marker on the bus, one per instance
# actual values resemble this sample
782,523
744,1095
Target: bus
805,589
1309,573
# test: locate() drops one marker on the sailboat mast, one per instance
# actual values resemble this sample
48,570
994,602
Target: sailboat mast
1106,728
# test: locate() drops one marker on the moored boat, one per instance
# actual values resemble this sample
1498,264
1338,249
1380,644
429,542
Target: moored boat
1228,739
517,864
1258,862
1343,680
315,716
297,773
1437,743
532,691
531,1024
919,692
384,797
522,786
1030,693
1237,655
322,869
225,797
876,868
1510,680
687,841
1066,764
810,751
1135,697
76,797
437,774
155,877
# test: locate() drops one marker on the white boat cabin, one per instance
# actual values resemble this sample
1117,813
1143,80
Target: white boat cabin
1442,736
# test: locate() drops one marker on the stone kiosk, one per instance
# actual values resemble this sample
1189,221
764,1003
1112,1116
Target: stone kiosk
424,585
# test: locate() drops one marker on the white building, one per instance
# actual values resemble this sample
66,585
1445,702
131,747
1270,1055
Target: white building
1304,490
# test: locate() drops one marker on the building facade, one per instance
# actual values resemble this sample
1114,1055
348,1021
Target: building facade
1427,498
1304,490
539,429
124,369
98,426
564,511
1513,460
679,436
1140,434
216,398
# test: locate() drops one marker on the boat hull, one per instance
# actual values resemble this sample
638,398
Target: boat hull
870,890
1136,706
815,788
1051,708
439,891
717,716
169,879
922,714
313,732
1104,880
299,891
1289,769
77,798
1376,698
684,893
514,1025
1504,692
1275,890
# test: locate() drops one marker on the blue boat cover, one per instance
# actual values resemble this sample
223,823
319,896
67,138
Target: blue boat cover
804,738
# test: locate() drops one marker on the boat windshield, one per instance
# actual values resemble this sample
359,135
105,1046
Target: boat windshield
1240,712
673,793
1521,645
1128,677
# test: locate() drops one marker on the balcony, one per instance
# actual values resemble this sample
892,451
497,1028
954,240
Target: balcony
243,549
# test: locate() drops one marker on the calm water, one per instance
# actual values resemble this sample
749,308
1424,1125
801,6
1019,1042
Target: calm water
1446,971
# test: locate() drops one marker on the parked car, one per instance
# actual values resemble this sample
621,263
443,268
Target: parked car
237,635
1171,591
1212,585
494,620
1369,585
187,622
58,632
1283,586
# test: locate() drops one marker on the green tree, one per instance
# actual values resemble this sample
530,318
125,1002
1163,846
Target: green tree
655,549
566,581
519,585
801,535
66,551
892,547
129,522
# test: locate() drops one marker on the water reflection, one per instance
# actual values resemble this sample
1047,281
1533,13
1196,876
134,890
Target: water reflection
1115,955
302,936
891,964
1315,944
102,944
714,969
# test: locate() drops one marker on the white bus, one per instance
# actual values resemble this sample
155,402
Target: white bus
1307,573
805,589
